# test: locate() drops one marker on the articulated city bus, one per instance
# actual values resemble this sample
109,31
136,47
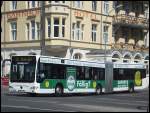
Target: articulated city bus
51,75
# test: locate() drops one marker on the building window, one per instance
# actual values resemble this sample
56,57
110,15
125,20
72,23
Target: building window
78,30
56,1
77,56
13,5
28,31
82,30
125,34
33,4
49,27
63,27
94,29
38,30
94,5
28,4
38,3
146,13
73,30
113,30
78,4
106,7
56,27
105,34
13,31
33,29
126,7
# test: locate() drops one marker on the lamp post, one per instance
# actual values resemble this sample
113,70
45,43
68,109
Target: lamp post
105,25
70,49
42,28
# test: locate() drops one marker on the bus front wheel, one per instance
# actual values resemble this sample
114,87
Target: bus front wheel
98,90
58,90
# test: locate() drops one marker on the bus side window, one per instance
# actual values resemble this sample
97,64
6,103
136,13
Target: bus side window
54,71
91,73
95,73
80,73
101,74
116,74
87,76
14,68
143,73
77,74
62,72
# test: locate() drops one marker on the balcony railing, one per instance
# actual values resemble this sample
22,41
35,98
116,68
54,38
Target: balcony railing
129,47
131,21
117,46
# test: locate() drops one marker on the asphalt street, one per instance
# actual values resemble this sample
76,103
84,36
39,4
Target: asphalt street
115,102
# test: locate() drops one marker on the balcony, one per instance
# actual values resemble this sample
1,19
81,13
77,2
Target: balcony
131,21
129,47
123,46
57,8
117,46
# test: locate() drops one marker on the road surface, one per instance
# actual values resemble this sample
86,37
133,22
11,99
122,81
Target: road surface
116,102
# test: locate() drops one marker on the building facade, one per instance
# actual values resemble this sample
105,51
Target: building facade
85,30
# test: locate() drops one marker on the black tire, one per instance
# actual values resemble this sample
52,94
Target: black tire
99,90
58,90
131,88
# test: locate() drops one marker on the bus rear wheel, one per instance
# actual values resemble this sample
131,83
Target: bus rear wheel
58,90
98,90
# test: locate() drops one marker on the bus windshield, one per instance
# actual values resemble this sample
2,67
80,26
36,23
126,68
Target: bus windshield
23,69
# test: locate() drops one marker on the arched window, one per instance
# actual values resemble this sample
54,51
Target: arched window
127,58
115,58
146,60
77,56
137,58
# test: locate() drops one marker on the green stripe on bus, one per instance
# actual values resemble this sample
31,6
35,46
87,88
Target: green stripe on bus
51,83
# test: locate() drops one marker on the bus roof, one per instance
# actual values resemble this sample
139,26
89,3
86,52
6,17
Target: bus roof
57,60
66,61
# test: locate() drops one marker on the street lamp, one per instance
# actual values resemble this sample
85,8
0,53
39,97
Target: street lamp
42,28
105,25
